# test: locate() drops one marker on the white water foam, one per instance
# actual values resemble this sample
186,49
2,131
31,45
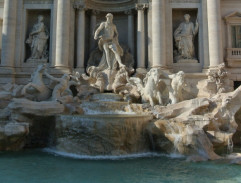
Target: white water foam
109,157
90,111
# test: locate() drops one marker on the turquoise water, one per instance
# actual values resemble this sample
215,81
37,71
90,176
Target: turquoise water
43,167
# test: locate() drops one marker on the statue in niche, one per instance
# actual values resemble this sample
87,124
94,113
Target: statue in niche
108,42
127,58
38,41
104,64
184,39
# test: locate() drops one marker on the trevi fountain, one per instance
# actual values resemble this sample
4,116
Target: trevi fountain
120,91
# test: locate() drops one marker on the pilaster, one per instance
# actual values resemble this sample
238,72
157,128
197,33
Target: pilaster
80,36
158,33
214,33
63,34
140,7
130,31
9,35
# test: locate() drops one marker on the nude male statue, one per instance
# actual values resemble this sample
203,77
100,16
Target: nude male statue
109,42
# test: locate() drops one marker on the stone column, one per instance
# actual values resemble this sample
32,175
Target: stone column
92,29
80,36
130,31
8,33
158,33
205,43
62,34
141,36
214,33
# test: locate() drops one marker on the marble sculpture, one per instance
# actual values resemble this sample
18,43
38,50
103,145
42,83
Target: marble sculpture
184,39
37,40
108,42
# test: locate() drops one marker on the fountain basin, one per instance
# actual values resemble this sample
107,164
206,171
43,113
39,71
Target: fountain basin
115,134
100,107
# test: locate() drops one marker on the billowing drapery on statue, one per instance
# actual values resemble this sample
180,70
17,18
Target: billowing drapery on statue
38,41
109,44
102,75
184,39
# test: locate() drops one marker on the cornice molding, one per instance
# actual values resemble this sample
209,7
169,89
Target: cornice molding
38,1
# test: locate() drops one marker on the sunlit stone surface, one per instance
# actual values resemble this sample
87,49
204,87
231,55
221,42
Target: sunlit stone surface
104,77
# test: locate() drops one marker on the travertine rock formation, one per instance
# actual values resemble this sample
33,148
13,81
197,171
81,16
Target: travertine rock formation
96,123
47,108
13,135
199,126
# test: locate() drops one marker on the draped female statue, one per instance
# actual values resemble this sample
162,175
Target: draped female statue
38,41
184,39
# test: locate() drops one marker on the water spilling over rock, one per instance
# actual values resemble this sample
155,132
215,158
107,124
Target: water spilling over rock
137,118
113,134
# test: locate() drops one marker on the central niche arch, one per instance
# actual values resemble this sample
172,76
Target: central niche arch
111,5
111,1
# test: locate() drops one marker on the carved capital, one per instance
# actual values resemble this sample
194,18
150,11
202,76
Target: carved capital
141,6
79,6
128,12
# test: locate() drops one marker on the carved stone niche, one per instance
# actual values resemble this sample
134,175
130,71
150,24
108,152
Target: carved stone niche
182,45
233,51
37,44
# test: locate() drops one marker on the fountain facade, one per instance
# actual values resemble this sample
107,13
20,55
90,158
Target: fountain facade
122,104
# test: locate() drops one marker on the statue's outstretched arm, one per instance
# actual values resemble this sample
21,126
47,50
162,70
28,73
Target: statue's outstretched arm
51,77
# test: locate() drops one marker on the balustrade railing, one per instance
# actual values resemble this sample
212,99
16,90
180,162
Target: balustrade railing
234,53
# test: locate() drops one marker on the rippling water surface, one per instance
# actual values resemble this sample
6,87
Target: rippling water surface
40,166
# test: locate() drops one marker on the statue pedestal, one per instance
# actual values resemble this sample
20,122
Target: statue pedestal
187,67
109,77
187,61
38,61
